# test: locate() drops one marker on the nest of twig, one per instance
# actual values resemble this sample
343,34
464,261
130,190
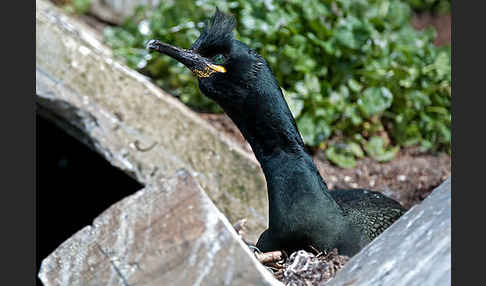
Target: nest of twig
301,268
304,268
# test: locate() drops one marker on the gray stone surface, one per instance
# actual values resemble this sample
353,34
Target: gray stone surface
415,250
135,125
116,11
169,233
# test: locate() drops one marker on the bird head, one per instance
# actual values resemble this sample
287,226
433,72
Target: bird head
228,71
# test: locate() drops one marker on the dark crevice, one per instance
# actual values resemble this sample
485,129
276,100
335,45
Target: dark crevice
74,185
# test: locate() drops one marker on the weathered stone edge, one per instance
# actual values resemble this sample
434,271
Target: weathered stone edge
412,251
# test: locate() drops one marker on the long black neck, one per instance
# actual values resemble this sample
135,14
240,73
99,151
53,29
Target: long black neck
267,123
269,127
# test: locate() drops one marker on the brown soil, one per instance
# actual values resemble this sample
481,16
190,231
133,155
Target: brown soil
441,23
408,178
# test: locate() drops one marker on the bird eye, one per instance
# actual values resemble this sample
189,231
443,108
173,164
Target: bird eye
218,59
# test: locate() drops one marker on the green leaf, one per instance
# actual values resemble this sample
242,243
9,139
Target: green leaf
313,131
307,129
294,102
340,157
375,100
376,149
354,85
346,38
355,149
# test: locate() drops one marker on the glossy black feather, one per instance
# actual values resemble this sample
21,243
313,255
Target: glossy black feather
216,36
302,212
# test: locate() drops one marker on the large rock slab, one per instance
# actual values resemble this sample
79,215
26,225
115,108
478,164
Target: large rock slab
415,250
169,233
135,125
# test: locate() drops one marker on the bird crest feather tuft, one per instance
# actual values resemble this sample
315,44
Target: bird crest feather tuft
217,34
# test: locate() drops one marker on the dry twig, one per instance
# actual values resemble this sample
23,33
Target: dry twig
269,257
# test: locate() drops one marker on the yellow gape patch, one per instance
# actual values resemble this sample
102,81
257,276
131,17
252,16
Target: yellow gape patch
209,70
218,68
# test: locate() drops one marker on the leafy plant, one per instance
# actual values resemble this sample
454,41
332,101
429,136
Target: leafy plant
343,154
377,149
349,68
433,6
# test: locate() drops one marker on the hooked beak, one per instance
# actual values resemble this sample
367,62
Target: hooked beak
199,65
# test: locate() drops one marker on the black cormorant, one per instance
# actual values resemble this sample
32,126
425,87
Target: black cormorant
302,212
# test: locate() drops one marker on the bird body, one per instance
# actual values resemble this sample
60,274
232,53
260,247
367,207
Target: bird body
302,211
